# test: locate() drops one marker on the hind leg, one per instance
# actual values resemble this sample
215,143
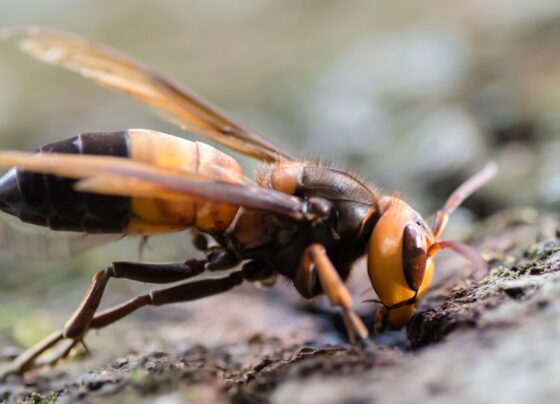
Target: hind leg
84,317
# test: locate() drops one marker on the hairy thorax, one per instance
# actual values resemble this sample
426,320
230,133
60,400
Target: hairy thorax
279,242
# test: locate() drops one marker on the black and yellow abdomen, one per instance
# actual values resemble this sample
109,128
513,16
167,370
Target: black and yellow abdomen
51,201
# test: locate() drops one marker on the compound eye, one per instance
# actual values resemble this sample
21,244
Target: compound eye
414,257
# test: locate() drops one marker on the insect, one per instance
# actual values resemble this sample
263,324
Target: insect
304,220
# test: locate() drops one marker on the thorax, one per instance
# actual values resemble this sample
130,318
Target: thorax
279,242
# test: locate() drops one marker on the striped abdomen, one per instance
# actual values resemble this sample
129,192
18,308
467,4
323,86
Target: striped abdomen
51,201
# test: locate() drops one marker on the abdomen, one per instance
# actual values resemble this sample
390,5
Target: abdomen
51,201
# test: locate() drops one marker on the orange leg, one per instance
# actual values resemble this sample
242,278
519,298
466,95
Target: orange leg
316,264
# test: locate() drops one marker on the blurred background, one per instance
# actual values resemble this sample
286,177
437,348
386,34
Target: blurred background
415,96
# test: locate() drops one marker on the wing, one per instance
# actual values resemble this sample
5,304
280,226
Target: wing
111,69
124,177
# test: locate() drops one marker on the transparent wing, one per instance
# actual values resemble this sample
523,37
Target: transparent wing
112,69
23,241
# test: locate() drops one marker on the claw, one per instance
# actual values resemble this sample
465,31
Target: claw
9,369
29,359
61,355
88,352
367,347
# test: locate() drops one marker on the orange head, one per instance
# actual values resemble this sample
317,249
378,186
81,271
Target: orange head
402,247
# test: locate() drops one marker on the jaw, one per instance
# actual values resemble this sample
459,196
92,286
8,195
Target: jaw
398,318
393,319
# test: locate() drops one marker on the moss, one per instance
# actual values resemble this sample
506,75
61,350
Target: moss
35,398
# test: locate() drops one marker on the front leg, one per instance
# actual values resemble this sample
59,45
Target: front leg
315,264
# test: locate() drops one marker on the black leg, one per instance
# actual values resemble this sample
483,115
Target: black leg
181,293
84,317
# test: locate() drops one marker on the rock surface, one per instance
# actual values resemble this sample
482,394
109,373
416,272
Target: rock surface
489,341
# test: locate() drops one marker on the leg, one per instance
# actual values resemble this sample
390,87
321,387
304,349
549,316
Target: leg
316,264
199,240
218,257
80,321
181,293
